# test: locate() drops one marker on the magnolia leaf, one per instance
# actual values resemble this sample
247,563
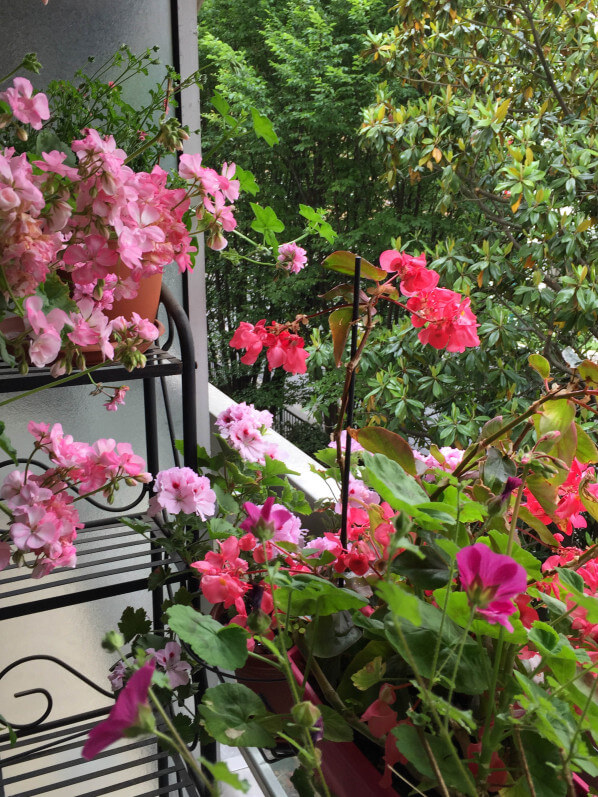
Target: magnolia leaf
501,111
588,371
586,450
532,521
378,440
544,492
344,262
231,714
540,364
218,645
340,324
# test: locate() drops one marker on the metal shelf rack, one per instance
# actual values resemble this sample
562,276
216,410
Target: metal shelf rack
112,560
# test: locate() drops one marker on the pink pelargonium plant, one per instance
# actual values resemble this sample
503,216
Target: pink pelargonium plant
130,715
491,581
182,490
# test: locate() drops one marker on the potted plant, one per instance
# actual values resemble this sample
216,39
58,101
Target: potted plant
443,617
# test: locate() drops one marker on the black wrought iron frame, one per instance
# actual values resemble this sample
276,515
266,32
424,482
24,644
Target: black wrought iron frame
102,545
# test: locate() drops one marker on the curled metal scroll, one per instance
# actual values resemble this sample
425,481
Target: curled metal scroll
39,691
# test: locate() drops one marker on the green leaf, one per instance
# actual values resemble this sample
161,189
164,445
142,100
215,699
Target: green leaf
532,521
497,470
263,127
418,642
266,221
134,622
4,352
409,744
586,450
47,141
231,714
588,372
340,324
336,729
220,104
331,635
218,645
370,674
378,440
11,734
221,773
499,542
428,572
400,602
6,445
544,763
55,293
344,262
540,364
393,484
247,181
312,595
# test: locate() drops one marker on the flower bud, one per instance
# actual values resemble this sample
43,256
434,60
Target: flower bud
305,714
22,134
258,621
31,63
113,641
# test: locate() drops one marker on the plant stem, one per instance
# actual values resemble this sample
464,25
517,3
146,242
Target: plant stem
464,638
515,515
433,762
180,744
524,764
64,380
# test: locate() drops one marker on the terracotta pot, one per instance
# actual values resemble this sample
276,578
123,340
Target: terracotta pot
267,682
346,769
145,303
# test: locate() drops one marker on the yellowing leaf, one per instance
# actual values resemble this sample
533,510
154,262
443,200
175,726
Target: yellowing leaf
529,156
501,111
437,154
480,278
515,205
340,323
586,224
543,109
528,93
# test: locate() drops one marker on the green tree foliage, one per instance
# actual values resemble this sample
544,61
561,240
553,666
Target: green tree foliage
502,122
299,64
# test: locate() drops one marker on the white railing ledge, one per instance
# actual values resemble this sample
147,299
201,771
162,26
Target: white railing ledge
310,483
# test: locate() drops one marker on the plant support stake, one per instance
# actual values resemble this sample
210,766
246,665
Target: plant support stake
351,401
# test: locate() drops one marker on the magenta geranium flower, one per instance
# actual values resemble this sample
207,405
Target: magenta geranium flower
491,581
125,713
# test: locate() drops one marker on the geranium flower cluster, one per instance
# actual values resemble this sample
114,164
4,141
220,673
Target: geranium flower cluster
213,189
43,519
245,429
100,228
443,317
291,257
284,347
570,507
182,490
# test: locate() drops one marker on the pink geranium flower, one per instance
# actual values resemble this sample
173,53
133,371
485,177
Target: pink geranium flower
124,714
491,581
292,257
24,106
169,658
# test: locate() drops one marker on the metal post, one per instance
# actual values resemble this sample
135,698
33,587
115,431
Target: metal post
350,403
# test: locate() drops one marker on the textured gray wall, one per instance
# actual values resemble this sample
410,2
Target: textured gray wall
65,32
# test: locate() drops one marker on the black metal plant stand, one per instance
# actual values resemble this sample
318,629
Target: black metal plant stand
112,560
